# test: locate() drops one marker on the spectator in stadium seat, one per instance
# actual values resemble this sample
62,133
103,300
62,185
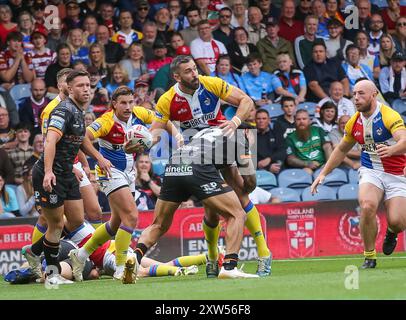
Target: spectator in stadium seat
272,45
89,8
386,51
327,119
336,95
392,81
63,60
224,31
22,151
141,15
320,72
290,28
240,49
223,71
90,28
31,107
392,13
143,95
364,14
42,56
78,46
304,44
285,123
162,20
6,167
352,159
17,6
7,102
26,27
146,181
289,82
38,149
353,68
149,32
193,17
269,10
6,23
113,51
107,17
376,28
97,59
271,151
126,35
55,35
177,41
399,37
336,44
7,133
303,10
178,20
8,201
258,84
135,64
362,42
160,58
307,147
25,195
256,29
333,10
73,19
240,14
205,50
119,77
15,65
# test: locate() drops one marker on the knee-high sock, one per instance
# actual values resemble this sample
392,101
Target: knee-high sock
370,254
99,237
38,233
51,252
95,223
211,234
162,270
253,223
123,239
187,261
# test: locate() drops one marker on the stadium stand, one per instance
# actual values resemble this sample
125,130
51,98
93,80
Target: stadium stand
286,194
324,193
294,178
348,191
266,179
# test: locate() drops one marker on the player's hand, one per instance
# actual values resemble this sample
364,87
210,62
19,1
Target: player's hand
133,148
313,165
86,169
316,182
49,181
180,141
105,165
384,151
78,174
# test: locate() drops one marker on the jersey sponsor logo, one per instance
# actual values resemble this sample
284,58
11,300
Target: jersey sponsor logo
207,101
57,122
210,188
377,119
182,110
371,147
379,131
158,115
95,126
178,171
180,99
199,121
357,133
53,198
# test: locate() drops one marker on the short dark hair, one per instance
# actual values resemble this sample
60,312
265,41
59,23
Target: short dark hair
63,72
14,35
240,28
121,91
263,111
191,8
76,73
319,43
226,9
62,46
204,21
178,61
302,111
287,99
252,57
23,126
350,47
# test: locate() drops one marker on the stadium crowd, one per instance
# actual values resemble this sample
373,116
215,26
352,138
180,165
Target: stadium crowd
298,61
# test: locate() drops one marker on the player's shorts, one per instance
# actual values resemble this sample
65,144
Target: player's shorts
181,181
85,180
392,185
66,188
118,180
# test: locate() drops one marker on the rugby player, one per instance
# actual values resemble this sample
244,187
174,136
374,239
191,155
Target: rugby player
381,133
194,102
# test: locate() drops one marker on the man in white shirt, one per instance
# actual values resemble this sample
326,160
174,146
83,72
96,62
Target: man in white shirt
205,50
336,95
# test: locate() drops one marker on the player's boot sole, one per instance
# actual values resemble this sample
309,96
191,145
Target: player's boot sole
390,242
130,271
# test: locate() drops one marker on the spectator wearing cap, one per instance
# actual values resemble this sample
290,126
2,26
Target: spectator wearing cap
304,44
142,93
90,28
321,71
22,150
376,28
150,32
290,28
55,36
26,27
353,68
15,65
73,17
272,45
256,29
7,133
119,77
25,195
336,44
63,60
38,149
113,51
126,35
392,81
240,49
269,10
205,50
78,46
31,107
42,56
193,17
162,20
107,17
223,32
6,24
160,58
135,64
141,15
89,8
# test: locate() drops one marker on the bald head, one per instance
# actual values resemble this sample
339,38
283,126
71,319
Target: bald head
365,93
38,89
366,85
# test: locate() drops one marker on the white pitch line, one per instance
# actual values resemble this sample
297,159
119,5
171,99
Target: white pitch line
331,259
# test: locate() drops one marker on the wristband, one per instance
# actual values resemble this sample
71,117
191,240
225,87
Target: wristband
234,121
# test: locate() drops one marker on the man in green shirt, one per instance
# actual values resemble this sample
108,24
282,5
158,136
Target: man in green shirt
308,147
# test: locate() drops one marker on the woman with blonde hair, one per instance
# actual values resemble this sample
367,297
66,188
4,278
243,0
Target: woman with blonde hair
97,57
8,201
25,194
77,42
135,63
6,25
119,77
387,49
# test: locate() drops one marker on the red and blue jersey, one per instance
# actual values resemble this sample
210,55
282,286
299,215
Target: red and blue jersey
377,129
198,111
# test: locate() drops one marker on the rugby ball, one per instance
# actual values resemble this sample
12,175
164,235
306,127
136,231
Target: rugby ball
139,134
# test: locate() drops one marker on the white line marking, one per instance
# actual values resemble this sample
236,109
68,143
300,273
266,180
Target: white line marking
333,259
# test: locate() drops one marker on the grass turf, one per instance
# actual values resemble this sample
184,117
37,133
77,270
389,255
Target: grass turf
291,279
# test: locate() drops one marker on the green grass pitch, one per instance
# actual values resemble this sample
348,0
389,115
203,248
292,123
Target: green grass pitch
322,278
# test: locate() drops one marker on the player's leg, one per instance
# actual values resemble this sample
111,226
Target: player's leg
92,208
74,213
369,198
39,229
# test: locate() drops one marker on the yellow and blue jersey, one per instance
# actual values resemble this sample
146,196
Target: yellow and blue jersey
111,134
200,110
46,112
377,129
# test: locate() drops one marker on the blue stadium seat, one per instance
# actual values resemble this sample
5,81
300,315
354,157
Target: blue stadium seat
309,106
324,193
348,191
20,91
336,178
266,179
229,113
158,166
353,176
286,194
294,178
274,109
